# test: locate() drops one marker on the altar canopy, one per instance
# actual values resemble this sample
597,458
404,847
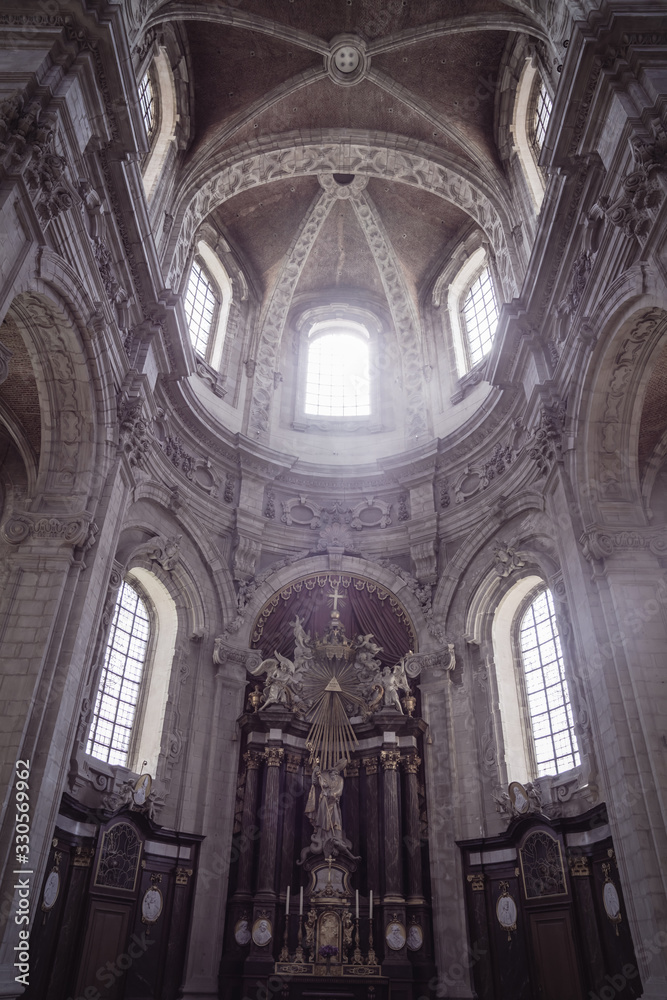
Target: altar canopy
366,608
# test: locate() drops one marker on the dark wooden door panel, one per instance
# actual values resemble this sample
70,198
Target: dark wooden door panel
105,943
555,957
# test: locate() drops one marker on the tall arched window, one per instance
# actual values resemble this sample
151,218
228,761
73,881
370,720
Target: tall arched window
479,317
337,375
200,306
541,111
120,683
147,103
546,687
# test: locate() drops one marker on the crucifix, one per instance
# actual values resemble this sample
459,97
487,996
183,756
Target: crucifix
329,861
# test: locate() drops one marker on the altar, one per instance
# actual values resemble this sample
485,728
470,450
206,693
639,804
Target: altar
329,890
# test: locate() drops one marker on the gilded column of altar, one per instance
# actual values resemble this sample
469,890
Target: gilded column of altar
247,839
413,840
393,883
268,842
372,823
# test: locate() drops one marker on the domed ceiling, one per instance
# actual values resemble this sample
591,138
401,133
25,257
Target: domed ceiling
397,98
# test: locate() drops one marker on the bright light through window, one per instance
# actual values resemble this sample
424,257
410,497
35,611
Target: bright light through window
546,688
542,114
120,682
480,314
147,103
337,383
199,307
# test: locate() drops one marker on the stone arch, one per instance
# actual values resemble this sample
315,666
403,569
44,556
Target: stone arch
284,156
276,578
450,582
630,334
186,520
69,458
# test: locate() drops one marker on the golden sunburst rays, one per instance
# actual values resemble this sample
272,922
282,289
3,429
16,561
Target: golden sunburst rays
331,685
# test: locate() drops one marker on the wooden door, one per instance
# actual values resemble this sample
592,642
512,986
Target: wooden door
554,955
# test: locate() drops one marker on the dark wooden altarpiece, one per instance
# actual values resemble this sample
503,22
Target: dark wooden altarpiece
383,816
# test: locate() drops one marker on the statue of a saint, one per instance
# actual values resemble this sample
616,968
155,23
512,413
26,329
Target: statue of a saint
324,813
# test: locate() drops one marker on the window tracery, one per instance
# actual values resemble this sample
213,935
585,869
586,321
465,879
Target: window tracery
147,103
480,317
541,114
200,304
337,378
546,687
122,674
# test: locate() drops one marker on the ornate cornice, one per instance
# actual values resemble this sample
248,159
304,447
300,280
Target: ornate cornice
599,543
77,530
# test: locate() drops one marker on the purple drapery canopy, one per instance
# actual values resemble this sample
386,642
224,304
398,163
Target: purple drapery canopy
367,607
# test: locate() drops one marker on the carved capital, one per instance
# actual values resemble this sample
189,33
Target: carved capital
370,764
411,763
274,756
390,759
253,760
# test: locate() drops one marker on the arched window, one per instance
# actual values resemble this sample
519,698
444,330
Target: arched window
337,374
541,111
120,683
480,317
546,688
532,109
200,307
157,102
147,102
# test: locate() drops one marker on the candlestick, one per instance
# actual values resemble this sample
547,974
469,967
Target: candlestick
372,958
356,957
301,901
356,904
287,902
370,906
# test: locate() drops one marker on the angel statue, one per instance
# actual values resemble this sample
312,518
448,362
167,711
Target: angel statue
278,687
325,815
395,679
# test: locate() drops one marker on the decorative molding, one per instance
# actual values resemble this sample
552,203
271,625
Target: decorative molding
635,207
476,881
579,866
274,756
390,759
273,322
213,378
135,439
627,356
506,560
403,311
599,543
77,530
164,550
546,447
5,355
